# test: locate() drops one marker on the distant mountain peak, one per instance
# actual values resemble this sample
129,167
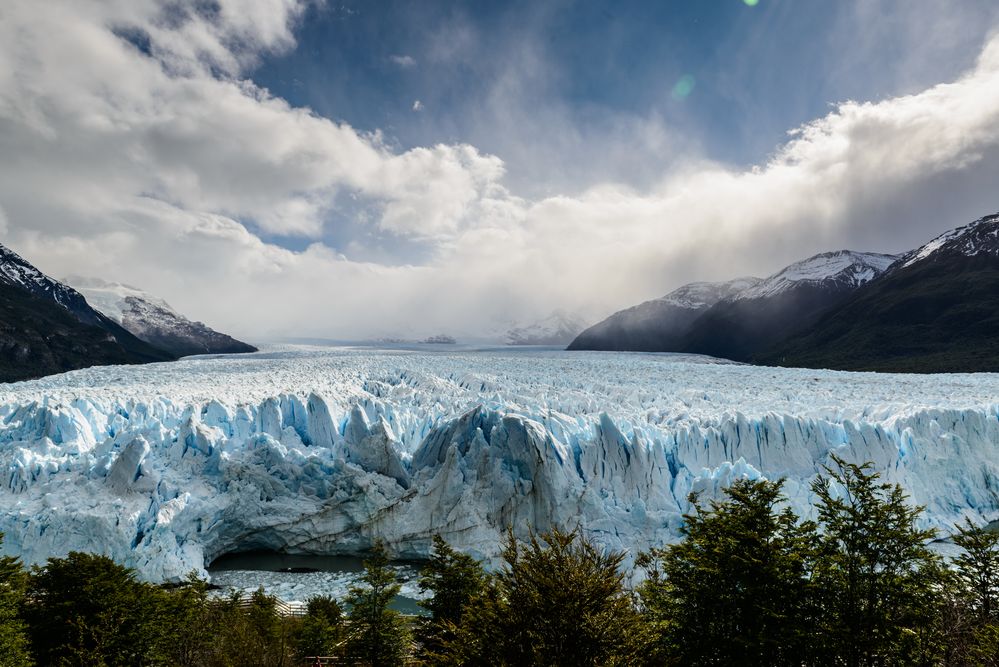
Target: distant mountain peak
15,270
112,298
703,294
841,267
153,320
558,328
48,327
977,238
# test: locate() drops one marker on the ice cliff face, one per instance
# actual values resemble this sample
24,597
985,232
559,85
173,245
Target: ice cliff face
165,467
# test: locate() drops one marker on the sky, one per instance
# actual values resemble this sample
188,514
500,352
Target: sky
355,169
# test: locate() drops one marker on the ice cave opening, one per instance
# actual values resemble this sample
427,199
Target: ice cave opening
297,577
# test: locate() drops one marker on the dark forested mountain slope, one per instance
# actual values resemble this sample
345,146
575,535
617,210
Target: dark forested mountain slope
658,325
935,310
47,327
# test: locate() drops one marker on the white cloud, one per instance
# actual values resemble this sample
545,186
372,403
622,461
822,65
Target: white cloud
403,61
417,105
151,169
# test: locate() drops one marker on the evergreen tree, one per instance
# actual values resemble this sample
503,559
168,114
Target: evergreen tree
184,633
321,631
877,577
87,610
378,635
14,650
454,581
974,632
978,569
736,589
559,600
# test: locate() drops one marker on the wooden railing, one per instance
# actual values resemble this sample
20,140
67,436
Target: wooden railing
281,607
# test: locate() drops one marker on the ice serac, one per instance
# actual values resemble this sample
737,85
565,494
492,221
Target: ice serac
324,452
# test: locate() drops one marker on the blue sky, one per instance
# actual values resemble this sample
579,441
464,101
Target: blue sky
264,166
572,94
498,75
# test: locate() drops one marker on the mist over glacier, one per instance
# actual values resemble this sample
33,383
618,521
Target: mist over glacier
166,467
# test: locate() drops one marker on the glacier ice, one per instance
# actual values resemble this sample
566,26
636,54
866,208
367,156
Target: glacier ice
165,467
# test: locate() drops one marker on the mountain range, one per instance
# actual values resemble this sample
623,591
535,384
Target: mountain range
153,320
559,328
47,326
933,309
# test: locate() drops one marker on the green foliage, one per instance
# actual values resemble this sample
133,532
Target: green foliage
14,649
877,578
248,633
971,615
736,589
87,610
748,584
322,630
559,600
181,636
379,636
977,569
455,581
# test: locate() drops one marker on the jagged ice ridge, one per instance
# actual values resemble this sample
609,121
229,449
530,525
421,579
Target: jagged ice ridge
167,466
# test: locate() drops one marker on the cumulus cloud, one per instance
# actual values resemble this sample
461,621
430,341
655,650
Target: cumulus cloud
134,149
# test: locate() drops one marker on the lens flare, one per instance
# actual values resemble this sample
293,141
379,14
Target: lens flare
684,87
751,3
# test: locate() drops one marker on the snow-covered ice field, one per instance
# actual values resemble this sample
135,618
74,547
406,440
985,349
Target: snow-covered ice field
324,450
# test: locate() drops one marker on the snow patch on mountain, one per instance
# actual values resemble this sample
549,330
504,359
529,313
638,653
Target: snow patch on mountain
116,299
979,237
167,466
153,320
700,295
15,270
843,267
559,328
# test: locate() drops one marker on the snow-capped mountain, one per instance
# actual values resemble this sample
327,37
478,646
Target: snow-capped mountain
658,325
559,328
981,237
15,270
935,310
737,319
153,320
703,295
841,268
48,327
781,305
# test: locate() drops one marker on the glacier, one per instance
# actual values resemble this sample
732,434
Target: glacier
166,467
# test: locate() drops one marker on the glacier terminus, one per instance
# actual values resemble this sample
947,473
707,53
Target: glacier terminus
166,467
